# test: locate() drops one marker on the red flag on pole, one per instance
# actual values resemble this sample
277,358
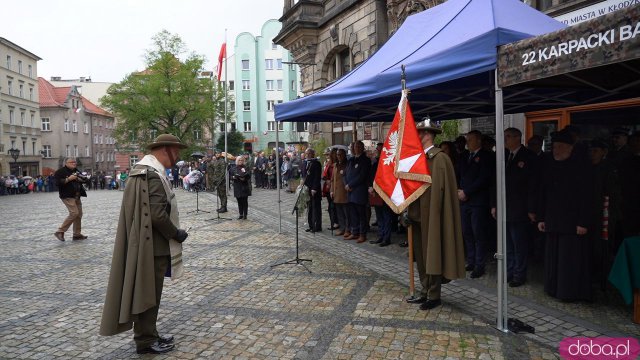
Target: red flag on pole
402,174
221,56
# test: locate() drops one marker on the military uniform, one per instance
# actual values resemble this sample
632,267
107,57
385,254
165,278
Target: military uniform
216,174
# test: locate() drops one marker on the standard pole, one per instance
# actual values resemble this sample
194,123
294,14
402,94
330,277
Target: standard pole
403,82
501,256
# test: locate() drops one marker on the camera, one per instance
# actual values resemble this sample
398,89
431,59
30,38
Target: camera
82,176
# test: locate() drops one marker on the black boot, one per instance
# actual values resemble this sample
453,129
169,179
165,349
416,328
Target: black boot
222,209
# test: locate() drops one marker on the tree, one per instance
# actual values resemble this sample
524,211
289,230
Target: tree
235,142
449,131
170,96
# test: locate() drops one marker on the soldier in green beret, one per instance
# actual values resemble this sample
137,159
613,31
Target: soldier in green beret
216,174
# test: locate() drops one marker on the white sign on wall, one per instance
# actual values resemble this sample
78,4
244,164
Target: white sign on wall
595,10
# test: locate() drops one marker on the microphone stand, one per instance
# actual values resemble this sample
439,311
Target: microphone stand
197,210
218,218
297,260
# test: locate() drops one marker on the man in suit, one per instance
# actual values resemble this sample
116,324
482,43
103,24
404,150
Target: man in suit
147,246
474,193
520,201
357,184
312,181
435,220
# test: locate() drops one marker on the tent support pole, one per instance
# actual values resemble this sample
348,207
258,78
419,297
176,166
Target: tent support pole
500,255
278,177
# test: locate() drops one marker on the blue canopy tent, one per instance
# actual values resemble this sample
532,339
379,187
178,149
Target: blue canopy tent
450,54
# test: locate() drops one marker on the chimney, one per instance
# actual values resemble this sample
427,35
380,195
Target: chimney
81,78
56,78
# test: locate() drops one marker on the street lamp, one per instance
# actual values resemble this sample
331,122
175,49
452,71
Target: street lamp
14,153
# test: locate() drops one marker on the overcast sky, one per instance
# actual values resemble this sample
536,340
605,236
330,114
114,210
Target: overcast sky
106,39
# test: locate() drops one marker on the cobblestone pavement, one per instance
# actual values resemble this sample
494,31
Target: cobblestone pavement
232,304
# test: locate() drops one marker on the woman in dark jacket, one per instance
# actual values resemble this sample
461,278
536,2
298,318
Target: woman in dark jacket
241,186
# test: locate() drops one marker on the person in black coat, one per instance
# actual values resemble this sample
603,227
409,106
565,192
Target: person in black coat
564,214
520,201
476,181
241,177
357,185
312,181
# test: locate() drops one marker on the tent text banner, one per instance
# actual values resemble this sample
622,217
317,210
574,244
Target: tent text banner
612,38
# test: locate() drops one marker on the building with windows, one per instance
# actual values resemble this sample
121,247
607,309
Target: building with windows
19,111
73,126
261,75
101,122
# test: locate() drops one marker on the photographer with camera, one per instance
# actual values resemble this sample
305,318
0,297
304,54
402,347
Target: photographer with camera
69,181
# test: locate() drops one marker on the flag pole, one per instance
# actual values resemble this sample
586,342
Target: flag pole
226,102
403,81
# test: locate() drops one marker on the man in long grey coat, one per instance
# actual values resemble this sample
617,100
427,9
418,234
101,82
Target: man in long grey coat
147,246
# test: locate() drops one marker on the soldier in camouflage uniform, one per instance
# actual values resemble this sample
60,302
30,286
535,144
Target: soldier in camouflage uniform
216,174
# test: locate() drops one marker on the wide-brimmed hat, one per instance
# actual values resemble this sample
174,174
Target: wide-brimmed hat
166,140
562,136
427,124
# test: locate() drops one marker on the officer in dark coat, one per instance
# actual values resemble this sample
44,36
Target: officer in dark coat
476,181
520,200
357,184
312,181
564,214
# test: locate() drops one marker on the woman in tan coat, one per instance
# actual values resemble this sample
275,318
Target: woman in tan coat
339,194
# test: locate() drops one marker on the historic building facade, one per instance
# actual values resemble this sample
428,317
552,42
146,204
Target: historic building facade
19,111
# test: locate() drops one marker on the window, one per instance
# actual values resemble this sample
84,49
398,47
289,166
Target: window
95,139
33,120
231,84
279,64
66,124
293,85
12,120
33,147
246,105
97,157
24,147
197,134
279,84
133,159
270,105
46,124
21,91
271,125
19,66
268,64
75,150
269,85
86,127
22,118
247,126
232,105
31,93
274,46
101,139
10,87
246,84
306,126
75,126
67,151
46,151
8,62
245,64
30,69
86,151
154,133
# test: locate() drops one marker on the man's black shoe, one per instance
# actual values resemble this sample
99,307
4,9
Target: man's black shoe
165,339
477,273
79,237
59,235
403,244
377,241
222,210
384,243
469,267
516,283
416,300
430,304
156,348
240,217
308,230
